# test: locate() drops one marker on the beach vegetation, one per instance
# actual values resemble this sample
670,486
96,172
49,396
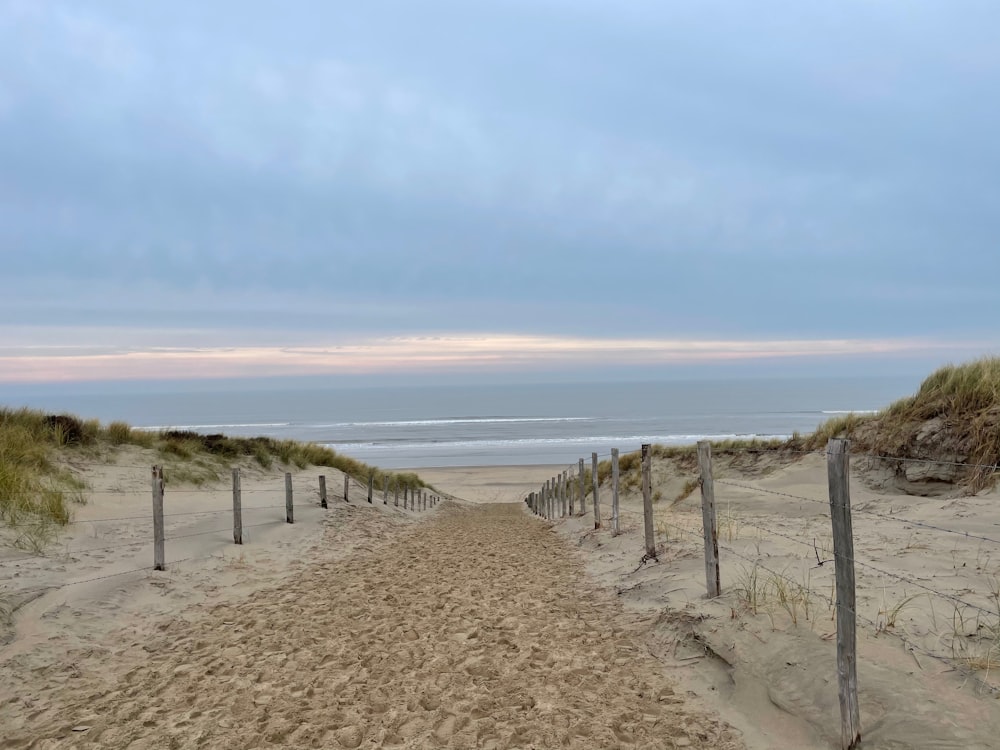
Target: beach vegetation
39,486
952,423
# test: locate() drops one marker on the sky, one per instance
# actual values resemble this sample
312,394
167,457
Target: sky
496,189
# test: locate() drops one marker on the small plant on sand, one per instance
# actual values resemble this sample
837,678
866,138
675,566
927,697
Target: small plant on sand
729,524
791,596
751,588
889,613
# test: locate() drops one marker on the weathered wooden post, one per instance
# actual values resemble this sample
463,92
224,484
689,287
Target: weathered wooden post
289,512
571,490
616,528
838,472
583,495
159,555
708,521
385,489
564,484
237,508
371,484
322,492
396,499
406,498
647,503
347,484
597,497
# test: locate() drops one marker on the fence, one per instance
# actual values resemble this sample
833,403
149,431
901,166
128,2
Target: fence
415,500
795,558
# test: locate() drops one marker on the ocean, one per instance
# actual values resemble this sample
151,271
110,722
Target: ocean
487,425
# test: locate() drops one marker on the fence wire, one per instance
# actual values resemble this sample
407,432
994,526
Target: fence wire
966,671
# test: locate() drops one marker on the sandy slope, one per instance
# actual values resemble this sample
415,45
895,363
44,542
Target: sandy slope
464,627
771,668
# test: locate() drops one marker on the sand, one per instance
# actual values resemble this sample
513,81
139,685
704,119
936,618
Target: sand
477,625
358,626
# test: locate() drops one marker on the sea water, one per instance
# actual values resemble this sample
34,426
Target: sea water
480,425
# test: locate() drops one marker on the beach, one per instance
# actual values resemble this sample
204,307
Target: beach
476,624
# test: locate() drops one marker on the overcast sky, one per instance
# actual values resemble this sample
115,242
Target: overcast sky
262,188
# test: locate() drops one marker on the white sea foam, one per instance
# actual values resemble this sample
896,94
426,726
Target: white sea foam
204,427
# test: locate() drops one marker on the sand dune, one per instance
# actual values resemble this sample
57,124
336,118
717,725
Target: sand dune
477,625
474,627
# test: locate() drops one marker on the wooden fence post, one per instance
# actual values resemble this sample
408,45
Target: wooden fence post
237,508
583,495
385,490
289,513
597,497
322,492
396,499
570,490
708,521
347,484
616,528
371,484
647,503
564,483
406,498
838,473
159,557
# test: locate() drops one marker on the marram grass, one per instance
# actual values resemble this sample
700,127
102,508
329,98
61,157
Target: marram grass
35,492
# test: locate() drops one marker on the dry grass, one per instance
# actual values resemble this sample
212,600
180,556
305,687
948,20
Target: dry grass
36,493
953,417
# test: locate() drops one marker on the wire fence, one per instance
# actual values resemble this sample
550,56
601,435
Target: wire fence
786,570
36,536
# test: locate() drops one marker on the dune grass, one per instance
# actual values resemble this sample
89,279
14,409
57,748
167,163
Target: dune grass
33,490
37,493
953,416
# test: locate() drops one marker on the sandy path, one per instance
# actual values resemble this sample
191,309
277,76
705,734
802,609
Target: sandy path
476,628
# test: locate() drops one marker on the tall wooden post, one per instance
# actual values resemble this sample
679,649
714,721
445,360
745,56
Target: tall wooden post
347,484
322,492
289,512
838,472
396,499
597,497
708,521
564,483
583,494
237,508
647,503
385,489
616,528
371,484
159,555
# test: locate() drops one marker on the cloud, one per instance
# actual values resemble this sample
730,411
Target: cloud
446,353
775,172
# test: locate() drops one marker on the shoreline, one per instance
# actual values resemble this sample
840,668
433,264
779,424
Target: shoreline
487,484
